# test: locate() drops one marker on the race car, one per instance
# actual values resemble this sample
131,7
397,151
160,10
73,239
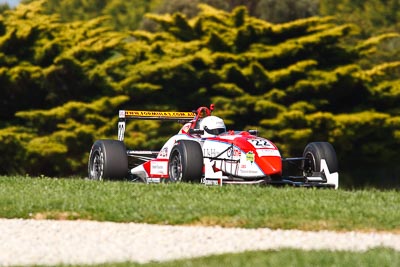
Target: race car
204,151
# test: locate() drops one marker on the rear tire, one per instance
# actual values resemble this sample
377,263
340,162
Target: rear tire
186,162
108,160
316,151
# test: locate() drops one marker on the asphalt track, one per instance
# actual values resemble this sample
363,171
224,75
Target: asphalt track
47,242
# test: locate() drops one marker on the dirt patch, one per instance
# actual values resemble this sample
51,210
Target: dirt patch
57,215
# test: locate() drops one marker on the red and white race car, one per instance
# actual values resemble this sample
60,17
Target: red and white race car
203,151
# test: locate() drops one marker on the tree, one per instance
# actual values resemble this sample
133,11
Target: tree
374,17
49,65
288,10
4,7
269,10
124,15
296,82
45,63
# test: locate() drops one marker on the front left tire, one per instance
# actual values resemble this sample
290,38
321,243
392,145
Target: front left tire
108,160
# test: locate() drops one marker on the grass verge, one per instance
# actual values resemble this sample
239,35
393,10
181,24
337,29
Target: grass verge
188,204
287,257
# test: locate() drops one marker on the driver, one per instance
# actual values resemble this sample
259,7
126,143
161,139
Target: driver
212,126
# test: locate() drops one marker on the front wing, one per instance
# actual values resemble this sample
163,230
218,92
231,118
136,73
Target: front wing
321,179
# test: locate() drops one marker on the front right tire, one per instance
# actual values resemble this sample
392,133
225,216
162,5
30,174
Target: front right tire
315,152
186,162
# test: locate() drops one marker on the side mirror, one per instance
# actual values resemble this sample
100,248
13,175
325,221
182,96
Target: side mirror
253,132
196,131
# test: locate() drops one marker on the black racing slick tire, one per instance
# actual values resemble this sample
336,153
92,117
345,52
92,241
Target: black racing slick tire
186,162
316,151
108,160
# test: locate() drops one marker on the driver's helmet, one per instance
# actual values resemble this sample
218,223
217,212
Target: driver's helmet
212,126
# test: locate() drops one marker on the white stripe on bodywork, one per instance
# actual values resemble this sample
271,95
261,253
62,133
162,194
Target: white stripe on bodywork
268,152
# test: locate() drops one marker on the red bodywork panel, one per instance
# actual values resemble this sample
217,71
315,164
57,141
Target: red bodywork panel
270,165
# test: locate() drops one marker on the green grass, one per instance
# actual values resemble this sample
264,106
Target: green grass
286,257
233,206
188,204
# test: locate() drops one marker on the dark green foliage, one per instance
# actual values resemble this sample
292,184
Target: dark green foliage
286,10
45,63
126,15
46,67
13,142
374,17
295,82
270,10
57,141
129,15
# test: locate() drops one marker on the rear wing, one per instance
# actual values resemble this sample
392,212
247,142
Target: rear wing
125,115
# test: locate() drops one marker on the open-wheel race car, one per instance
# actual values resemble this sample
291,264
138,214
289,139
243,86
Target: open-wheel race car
203,151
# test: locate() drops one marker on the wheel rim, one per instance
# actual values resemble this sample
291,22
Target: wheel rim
96,171
175,168
310,164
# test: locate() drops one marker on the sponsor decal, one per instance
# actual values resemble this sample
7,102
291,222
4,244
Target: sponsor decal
163,153
158,167
210,152
132,113
249,171
210,182
153,180
185,128
233,152
122,113
250,156
121,130
268,152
